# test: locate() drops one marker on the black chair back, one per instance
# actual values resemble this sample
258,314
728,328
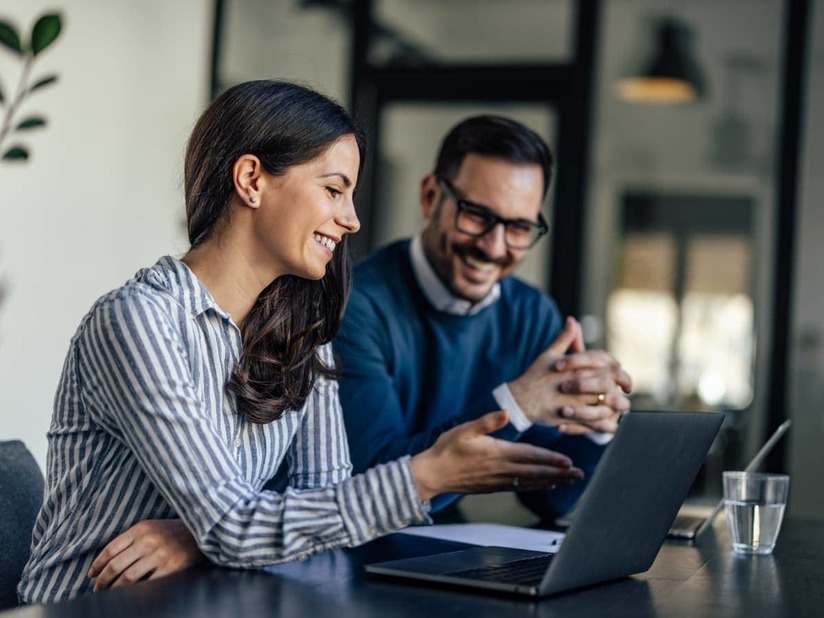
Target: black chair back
21,495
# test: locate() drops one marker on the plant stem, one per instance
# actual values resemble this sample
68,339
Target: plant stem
18,98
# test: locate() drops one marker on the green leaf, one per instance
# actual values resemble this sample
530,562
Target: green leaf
45,31
16,153
31,123
40,83
10,38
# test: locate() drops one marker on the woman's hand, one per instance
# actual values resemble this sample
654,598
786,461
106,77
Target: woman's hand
148,550
467,460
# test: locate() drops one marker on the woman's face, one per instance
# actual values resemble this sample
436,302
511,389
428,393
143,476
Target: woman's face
305,213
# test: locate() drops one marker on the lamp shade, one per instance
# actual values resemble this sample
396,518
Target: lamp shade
672,75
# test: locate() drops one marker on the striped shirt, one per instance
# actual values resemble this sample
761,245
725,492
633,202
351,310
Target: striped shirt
144,428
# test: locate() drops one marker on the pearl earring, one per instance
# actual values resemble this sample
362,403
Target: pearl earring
252,199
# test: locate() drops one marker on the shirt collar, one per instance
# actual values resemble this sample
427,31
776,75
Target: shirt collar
437,293
178,279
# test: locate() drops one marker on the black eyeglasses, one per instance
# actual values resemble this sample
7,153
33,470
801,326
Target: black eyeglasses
477,220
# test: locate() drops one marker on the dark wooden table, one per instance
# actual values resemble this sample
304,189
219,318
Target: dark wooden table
703,580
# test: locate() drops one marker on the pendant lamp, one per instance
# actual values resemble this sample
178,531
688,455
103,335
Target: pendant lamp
672,75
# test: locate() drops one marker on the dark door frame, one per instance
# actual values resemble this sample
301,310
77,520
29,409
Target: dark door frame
797,22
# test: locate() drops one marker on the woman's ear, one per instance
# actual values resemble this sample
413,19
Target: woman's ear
247,173
429,196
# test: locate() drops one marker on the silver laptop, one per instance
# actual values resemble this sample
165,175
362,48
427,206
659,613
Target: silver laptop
633,497
690,525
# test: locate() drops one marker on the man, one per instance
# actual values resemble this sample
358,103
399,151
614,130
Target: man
438,332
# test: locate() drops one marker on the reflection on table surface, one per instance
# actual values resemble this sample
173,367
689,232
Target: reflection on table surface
706,579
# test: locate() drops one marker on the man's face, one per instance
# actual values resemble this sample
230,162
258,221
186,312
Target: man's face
469,266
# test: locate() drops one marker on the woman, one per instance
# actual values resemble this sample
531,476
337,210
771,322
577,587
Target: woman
187,388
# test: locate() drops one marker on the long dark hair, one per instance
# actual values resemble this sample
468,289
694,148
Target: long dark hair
283,124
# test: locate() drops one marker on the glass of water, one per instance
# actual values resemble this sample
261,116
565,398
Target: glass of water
755,504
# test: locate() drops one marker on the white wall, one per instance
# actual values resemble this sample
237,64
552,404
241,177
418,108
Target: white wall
101,196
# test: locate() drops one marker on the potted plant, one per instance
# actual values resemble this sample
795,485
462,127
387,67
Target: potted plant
14,125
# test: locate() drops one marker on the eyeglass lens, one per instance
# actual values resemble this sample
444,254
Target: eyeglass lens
477,222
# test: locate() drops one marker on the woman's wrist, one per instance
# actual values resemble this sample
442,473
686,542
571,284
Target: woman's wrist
426,481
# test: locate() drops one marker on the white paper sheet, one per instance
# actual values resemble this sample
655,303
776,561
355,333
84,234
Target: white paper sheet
488,535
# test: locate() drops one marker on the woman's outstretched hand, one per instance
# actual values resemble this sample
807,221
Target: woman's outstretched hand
467,460
148,550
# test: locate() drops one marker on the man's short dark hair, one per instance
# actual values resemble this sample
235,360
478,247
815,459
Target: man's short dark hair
493,136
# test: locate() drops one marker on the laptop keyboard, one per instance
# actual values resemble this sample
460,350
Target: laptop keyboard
525,572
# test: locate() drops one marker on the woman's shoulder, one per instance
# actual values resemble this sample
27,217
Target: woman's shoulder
147,296
146,288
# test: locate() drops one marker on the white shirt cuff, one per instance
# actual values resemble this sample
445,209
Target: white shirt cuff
503,397
600,438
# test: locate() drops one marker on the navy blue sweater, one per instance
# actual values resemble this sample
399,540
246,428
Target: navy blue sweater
409,372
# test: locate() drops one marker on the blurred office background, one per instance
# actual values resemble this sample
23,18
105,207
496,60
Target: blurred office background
685,229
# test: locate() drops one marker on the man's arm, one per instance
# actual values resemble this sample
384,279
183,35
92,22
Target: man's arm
561,393
376,426
576,390
379,431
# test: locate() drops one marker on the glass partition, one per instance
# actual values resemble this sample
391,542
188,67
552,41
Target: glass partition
472,31
284,39
683,286
678,261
